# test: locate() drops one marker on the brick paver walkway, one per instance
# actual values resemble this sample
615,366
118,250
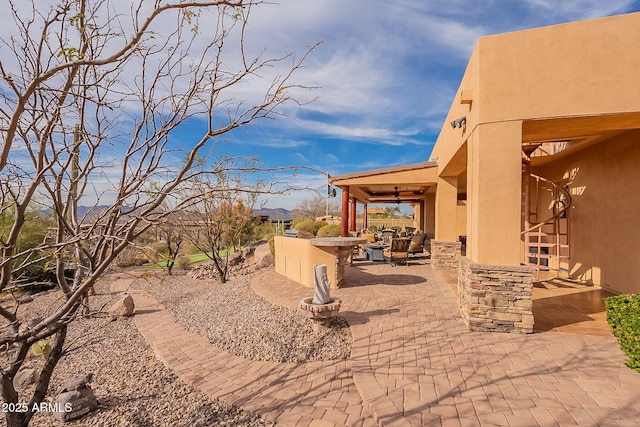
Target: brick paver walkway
413,363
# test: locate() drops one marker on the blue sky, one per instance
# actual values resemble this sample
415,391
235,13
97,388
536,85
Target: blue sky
386,73
385,76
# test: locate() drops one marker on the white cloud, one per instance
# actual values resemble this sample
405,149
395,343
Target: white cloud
581,9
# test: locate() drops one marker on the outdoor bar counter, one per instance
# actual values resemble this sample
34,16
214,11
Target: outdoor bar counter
295,257
341,248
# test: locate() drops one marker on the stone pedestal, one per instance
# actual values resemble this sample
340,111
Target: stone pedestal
445,255
320,314
495,298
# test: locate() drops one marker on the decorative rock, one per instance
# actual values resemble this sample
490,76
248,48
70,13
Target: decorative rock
76,399
122,308
263,256
321,314
249,250
321,285
24,378
235,259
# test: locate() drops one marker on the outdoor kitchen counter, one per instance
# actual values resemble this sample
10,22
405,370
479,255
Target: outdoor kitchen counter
341,247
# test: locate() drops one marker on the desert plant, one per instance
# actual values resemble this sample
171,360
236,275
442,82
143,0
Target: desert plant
309,225
623,315
304,234
329,230
272,246
184,262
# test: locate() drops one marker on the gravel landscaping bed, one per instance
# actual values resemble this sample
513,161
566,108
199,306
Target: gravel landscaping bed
232,317
133,388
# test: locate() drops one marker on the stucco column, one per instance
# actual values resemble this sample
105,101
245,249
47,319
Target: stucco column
344,216
494,174
446,201
352,215
429,222
418,215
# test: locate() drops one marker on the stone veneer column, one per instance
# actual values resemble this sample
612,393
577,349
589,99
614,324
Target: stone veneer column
445,255
495,297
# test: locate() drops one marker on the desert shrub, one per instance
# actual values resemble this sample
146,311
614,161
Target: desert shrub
372,229
272,246
156,251
309,225
396,228
184,262
304,234
268,237
295,222
131,257
329,230
623,315
265,231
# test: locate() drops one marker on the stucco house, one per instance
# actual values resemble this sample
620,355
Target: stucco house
536,165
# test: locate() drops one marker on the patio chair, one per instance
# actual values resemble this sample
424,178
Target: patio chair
397,252
417,244
387,235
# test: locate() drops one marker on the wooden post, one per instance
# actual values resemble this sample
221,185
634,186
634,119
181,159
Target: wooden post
365,218
344,218
352,216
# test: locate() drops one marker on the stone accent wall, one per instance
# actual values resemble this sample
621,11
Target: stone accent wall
445,255
495,297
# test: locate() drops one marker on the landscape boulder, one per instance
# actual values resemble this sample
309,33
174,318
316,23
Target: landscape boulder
76,399
122,308
263,256
235,259
24,378
250,249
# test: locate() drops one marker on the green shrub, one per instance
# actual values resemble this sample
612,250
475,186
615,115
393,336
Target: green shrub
309,225
329,230
184,262
272,247
623,315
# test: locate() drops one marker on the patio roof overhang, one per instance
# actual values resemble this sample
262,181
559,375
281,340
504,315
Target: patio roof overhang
398,184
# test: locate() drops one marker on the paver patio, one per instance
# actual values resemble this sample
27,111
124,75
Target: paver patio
413,363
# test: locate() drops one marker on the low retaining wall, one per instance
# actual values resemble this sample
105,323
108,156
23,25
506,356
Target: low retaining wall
495,297
445,255
295,258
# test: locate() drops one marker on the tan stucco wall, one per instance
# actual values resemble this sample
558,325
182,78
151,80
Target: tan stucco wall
494,194
295,258
461,219
577,69
605,236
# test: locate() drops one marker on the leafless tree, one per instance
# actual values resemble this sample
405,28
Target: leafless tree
91,97
224,216
172,233
312,208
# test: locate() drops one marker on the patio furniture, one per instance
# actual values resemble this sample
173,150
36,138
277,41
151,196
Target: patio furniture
387,235
374,252
417,244
371,237
398,251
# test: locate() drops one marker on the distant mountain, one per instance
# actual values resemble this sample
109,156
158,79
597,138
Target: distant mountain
274,214
85,210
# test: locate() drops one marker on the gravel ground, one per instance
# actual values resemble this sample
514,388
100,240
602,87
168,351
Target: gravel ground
133,388
234,318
